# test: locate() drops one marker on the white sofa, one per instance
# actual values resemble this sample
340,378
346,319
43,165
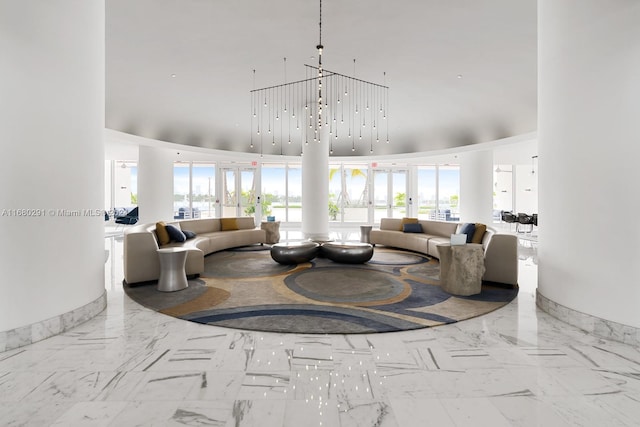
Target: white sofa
500,250
141,261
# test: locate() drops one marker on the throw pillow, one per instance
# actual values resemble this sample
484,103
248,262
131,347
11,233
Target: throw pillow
468,229
479,233
228,224
412,228
407,221
189,234
162,233
175,234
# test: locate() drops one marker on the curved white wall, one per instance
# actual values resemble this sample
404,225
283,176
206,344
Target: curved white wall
589,147
51,129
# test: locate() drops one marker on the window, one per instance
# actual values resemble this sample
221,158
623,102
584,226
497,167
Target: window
427,192
194,190
448,193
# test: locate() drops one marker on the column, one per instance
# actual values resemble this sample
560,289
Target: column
588,109
155,184
52,250
476,186
315,188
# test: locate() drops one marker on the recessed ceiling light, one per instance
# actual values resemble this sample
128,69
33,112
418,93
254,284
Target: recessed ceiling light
173,75
459,76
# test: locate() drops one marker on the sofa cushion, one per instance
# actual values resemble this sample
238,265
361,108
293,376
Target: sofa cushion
407,221
478,233
391,224
175,233
412,228
162,233
189,234
228,224
468,229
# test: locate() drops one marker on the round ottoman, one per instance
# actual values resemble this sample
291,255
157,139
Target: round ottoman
294,253
347,252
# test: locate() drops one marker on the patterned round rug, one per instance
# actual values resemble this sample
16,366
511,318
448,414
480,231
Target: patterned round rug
396,290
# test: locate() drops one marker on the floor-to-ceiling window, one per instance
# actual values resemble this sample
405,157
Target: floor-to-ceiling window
203,189
348,192
448,193
181,190
427,192
274,191
194,190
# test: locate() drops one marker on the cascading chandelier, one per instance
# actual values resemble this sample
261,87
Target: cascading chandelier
353,111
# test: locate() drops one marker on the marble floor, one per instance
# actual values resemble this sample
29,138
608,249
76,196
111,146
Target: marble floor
130,366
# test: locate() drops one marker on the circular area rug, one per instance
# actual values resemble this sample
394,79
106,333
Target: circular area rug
396,290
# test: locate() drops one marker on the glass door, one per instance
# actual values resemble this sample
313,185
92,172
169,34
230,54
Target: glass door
398,187
381,203
247,187
238,192
389,194
230,203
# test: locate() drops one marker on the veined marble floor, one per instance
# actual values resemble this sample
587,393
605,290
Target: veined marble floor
130,366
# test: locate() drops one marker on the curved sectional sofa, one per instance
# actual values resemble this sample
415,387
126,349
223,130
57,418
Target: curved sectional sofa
500,250
141,261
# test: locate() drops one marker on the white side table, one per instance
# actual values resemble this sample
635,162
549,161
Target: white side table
172,274
461,268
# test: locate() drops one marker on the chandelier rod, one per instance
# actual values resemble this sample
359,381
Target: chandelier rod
344,75
296,82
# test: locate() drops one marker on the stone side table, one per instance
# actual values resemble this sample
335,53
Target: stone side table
273,231
461,268
172,275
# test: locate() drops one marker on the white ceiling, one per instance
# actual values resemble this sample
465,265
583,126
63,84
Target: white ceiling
212,46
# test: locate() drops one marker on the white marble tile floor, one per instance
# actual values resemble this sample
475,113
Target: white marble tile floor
130,366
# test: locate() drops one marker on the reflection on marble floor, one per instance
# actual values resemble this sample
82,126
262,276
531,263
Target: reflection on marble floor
130,366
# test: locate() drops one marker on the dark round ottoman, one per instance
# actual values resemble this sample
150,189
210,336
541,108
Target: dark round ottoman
295,252
347,252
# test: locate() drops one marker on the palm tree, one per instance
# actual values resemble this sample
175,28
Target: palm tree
343,198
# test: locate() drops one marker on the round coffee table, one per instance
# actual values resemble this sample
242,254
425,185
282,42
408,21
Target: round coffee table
295,252
347,252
